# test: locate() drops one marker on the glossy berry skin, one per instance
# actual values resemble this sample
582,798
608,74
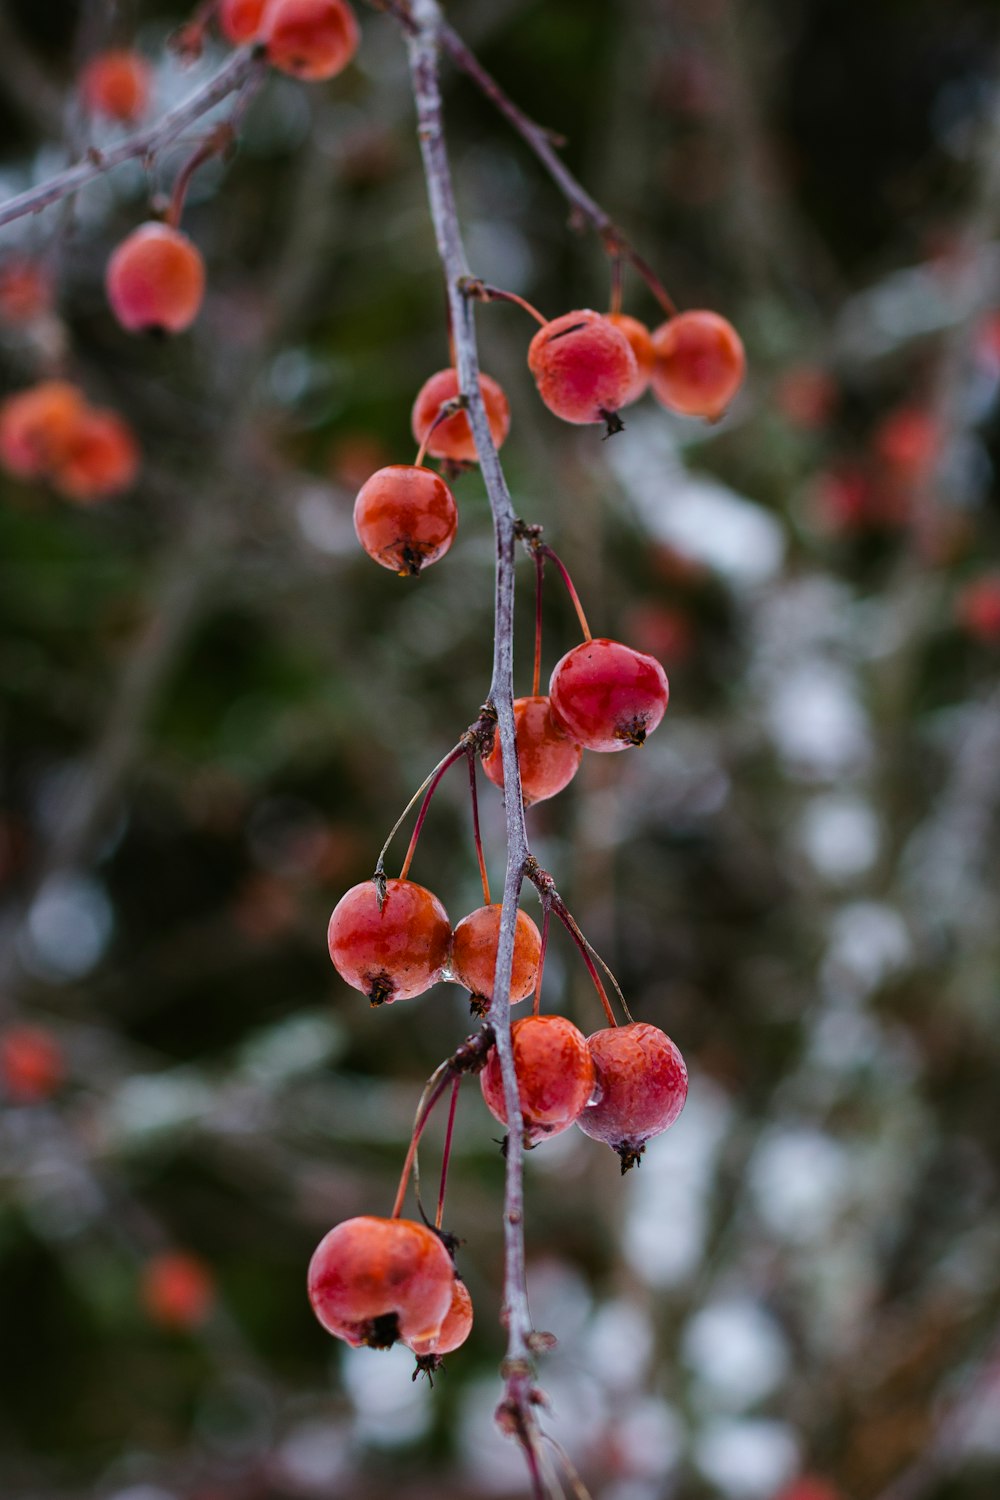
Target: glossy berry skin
38,427
240,20
548,760
452,438
607,696
375,1281
31,1064
311,39
583,366
155,280
474,954
455,1329
643,1084
555,1076
117,86
700,364
395,953
405,517
177,1290
102,458
641,342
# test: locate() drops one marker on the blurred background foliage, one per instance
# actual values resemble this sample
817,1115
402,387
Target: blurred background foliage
214,706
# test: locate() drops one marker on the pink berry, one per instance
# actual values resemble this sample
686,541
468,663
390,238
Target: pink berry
374,1281
607,696
395,952
584,367
643,1085
555,1076
700,364
156,280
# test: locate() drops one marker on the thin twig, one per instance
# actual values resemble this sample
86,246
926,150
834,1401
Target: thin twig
143,145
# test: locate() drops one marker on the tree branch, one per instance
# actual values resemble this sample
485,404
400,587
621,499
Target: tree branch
425,34
243,68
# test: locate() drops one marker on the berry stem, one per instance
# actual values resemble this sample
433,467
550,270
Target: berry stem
617,277
435,1087
427,785
216,143
481,291
446,1153
473,792
546,551
445,410
536,675
436,776
584,947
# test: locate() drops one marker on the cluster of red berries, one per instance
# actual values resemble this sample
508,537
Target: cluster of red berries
51,432
587,367
311,39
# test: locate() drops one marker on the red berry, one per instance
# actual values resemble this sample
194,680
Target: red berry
177,1290
240,20
156,280
641,342
405,517
374,1281
312,39
583,366
38,427
455,1329
453,438
608,696
117,85
31,1063
548,760
908,441
102,458
700,363
25,292
395,953
555,1076
474,954
978,608
643,1085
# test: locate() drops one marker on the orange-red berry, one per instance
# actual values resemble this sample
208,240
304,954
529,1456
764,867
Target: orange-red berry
583,366
607,696
394,953
312,39
38,427
453,438
642,1083
908,440
101,460
455,1329
375,1281
641,342
240,20
25,291
978,608
405,517
700,364
117,85
156,280
474,954
177,1290
31,1063
555,1076
548,760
